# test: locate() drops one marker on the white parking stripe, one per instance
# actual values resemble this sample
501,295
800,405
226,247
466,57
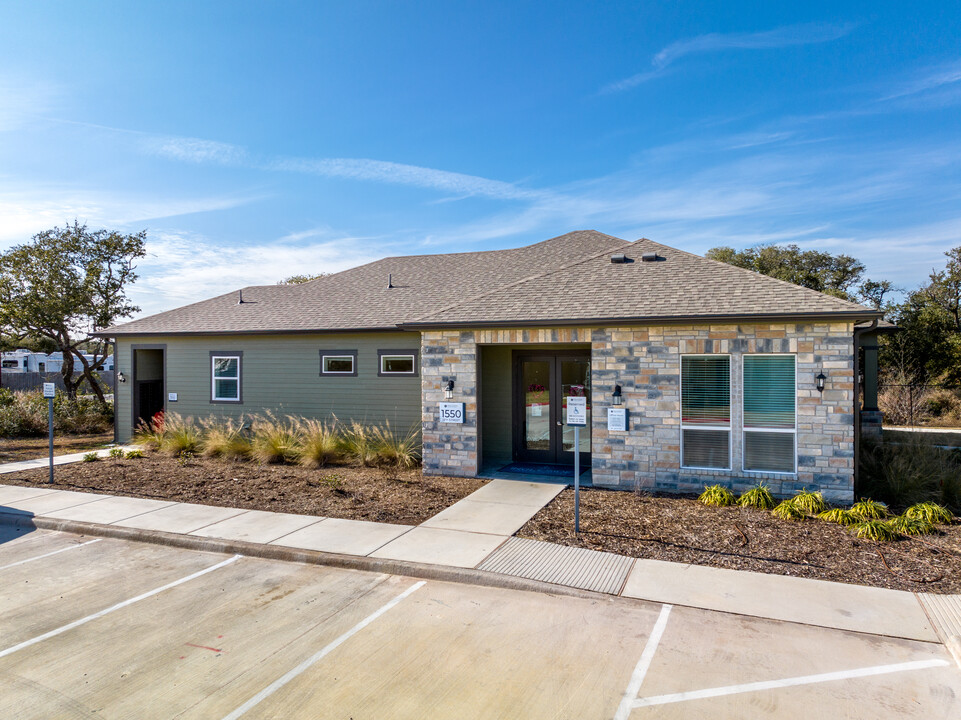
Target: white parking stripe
41,557
118,606
788,682
634,686
320,654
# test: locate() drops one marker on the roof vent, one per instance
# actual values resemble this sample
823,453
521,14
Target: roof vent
390,283
240,297
619,258
651,257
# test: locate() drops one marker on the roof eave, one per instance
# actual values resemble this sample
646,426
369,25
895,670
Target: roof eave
200,333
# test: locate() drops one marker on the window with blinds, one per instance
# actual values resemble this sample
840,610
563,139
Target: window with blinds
706,411
770,414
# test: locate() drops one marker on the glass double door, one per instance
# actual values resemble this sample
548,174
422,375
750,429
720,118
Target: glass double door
543,382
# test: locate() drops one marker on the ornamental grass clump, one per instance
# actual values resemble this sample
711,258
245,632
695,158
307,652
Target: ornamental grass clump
877,530
757,497
870,510
274,441
788,510
930,512
716,496
226,438
359,444
150,434
809,502
904,525
180,435
393,449
840,516
320,443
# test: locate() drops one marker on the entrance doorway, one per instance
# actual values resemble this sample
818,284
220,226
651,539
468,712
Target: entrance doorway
542,383
148,383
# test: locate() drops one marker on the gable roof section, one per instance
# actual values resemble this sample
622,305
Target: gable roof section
359,299
679,286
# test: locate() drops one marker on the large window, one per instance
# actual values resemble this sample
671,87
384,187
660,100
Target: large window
225,377
706,411
770,416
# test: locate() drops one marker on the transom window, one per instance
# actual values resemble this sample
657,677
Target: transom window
397,362
706,411
225,378
770,413
338,362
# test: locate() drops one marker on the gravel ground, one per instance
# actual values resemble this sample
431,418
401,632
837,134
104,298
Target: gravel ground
682,530
355,493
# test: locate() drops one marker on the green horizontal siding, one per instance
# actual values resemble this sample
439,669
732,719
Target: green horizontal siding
281,373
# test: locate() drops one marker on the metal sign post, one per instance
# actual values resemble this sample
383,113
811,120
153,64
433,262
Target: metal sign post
49,392
577,418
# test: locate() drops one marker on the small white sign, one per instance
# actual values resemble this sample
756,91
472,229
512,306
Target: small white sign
451,412
172,397
576,410
536,410
617,419
49,390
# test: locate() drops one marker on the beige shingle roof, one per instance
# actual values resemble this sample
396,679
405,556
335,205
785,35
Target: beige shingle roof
564,280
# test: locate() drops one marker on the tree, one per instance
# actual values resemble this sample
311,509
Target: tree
64,285
836,275
301,279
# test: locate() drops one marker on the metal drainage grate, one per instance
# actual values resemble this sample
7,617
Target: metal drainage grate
572,567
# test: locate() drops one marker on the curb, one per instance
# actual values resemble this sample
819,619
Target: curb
423,571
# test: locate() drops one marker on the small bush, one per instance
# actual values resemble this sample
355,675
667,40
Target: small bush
716,496
359,445
904,525
116,453
870,510
180,435
912,471
135,455
226,439
185,457
877,530
274,441
810,502
91,457
320,443
787,510
839,516
395,450
150,434
930,512
757,497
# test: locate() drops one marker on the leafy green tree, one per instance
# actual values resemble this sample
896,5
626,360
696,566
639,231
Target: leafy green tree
837,275
64,285
301,279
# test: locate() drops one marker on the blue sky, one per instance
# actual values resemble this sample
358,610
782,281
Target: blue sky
259,140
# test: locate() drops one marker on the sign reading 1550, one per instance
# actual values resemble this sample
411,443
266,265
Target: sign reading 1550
451,412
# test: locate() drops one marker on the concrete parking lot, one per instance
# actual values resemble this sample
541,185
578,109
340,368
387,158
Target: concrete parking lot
96,627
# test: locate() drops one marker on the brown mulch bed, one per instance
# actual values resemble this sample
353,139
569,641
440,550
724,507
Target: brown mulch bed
680,529
16,449
354,493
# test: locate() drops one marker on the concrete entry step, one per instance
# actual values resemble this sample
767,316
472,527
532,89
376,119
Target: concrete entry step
944,611
573,567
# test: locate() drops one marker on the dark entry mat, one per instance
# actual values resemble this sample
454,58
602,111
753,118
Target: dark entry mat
525,468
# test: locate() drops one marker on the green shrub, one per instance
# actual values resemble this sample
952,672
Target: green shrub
716,496
185,457
809,502
135,455
931,512
910,526
180,435
877,530
912,471
839,516
116,453
274,441
91,457
757,497
870,510
788,510
226,438
320,443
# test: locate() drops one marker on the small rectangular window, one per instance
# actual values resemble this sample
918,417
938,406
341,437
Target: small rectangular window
225,378
397,362
706,411
770,413
338,362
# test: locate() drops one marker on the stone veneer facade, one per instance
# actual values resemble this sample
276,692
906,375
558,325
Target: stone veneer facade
645,362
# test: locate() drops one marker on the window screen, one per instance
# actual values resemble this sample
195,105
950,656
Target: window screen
769,413
706,411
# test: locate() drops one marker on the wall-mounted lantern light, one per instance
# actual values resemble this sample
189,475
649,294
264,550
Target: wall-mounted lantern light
820,382
121,378
449,390
616,396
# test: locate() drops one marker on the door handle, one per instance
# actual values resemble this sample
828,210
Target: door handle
560,424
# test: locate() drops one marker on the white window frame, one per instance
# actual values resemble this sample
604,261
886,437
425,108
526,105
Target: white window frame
383,355
213,378
339,355
730,423
745,430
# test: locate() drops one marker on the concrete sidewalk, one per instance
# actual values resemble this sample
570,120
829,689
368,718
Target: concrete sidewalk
43,462
476,535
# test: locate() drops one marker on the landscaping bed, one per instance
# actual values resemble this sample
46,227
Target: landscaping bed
356,493
679,529
30,448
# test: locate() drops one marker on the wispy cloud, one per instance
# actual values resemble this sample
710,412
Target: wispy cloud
21,99
804,34
928,81
195,150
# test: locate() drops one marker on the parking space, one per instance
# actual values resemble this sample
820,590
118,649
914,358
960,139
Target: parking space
109,628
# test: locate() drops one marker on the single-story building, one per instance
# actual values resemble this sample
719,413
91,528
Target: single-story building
725,375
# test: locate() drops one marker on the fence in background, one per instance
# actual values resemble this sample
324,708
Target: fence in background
904,404
34,380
